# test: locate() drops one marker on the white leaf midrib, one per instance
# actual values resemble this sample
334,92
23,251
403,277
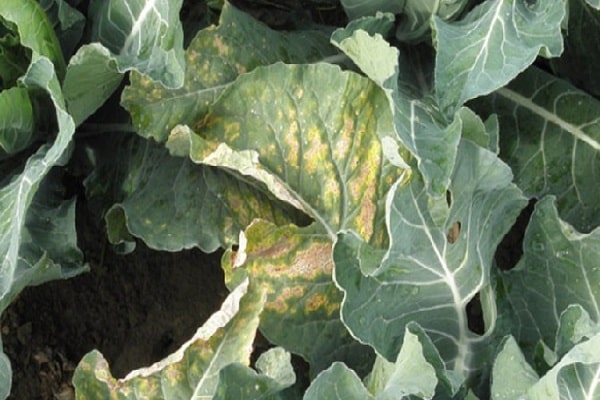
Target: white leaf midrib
551,117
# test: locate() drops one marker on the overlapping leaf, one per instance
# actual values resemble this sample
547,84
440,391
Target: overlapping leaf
215,57
171,203
494,43
275,373
302,311
27,243
16,121
573,376
438,260
315,137
552,142
141,35
35,30
145,35
317,131
192,372
414,375
418,124
336,383
559,267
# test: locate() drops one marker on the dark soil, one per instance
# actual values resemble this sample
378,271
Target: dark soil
136,309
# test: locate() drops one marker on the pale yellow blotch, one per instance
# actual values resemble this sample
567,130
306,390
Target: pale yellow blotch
221,47
316,152
292,141
148,221
279,304
363,190
321,302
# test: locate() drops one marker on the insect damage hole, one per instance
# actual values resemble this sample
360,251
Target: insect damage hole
453,233
454,230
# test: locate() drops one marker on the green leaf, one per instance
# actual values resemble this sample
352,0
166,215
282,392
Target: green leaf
338,382
240,382
16,271
494,43
215,57
35,30
276,363
5,376
143,35
68,23
361,8
559,268
574,326
512,376
415,23
594,3
438,260
581,54
411,374
575,376
418,124
193,371
16,121
552,142
169,202
14,59
92,76
485,134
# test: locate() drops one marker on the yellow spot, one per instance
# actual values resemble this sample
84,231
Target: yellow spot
221,47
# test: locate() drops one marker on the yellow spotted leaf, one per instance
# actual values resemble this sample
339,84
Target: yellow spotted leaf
193,370
214,58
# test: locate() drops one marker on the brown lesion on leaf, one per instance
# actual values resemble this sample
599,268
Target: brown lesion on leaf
281,303
322,301
363,190
453,233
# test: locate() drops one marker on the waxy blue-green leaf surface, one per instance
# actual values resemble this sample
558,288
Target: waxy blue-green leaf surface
559,267
489,47
551,140
214,58
436,263
338,382
512,376
143,35
275,373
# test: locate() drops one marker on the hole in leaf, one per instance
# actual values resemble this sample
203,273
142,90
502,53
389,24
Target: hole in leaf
475,316
448,198
453,232
510,249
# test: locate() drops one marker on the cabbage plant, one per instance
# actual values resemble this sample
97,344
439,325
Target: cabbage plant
359,178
